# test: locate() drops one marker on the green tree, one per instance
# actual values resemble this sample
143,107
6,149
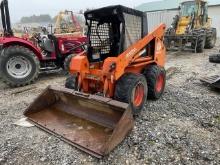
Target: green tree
37,19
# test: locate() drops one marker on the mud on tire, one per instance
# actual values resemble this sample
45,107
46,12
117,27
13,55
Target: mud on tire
132,89
67,61
200,44
156,80
19,66
211,38
71,82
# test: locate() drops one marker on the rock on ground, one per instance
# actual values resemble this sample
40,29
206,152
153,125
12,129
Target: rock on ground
183,127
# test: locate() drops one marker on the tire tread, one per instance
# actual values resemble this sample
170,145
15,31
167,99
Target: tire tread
13,49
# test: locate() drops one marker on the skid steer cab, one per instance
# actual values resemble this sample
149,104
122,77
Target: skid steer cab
109,83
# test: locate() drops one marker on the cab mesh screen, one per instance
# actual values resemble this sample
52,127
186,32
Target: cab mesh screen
133,29
100,37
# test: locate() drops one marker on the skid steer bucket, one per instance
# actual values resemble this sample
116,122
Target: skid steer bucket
214,81
91,123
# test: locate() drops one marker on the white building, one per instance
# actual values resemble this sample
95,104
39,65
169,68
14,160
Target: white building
165,10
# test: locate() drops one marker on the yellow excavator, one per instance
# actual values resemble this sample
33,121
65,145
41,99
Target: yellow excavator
191,28
66,22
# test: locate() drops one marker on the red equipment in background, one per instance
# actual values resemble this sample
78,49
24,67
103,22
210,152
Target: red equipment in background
22,59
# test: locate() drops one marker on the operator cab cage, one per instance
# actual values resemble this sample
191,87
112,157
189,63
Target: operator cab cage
111,30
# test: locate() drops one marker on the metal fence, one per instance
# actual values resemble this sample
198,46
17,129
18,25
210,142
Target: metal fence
158,17
133,29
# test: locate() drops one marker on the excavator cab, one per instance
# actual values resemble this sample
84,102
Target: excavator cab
193,14
188,8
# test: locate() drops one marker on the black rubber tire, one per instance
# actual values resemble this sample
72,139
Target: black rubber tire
166,43
66,64
151,74
215,58
13,51
172,30
200,45
71,82
211,38
175,22
125,87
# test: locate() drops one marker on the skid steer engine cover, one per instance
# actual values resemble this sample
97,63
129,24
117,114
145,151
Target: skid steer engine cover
93,124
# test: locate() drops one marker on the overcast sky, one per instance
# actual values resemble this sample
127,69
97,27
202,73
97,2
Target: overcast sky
19,8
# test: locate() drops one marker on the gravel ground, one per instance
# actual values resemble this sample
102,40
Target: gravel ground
183,127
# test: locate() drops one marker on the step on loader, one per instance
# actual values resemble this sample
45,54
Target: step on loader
109,83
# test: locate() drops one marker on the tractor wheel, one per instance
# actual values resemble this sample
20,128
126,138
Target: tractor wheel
19,66
156,80
214,58
175,22
71,82
132,89
200,44
67,62
211,38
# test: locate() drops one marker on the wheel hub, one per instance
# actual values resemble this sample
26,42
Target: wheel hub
19,67
159,83
138,95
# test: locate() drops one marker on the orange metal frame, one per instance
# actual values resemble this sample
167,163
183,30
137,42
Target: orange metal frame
101,77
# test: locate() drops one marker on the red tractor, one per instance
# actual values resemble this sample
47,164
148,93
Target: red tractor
22,59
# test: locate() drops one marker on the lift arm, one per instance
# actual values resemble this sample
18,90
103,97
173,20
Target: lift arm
133,52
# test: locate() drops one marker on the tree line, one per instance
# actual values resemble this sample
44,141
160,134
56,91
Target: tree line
47,18
37,18
44,18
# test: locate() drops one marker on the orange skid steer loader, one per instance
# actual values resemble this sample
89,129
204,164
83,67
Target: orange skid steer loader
109,83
